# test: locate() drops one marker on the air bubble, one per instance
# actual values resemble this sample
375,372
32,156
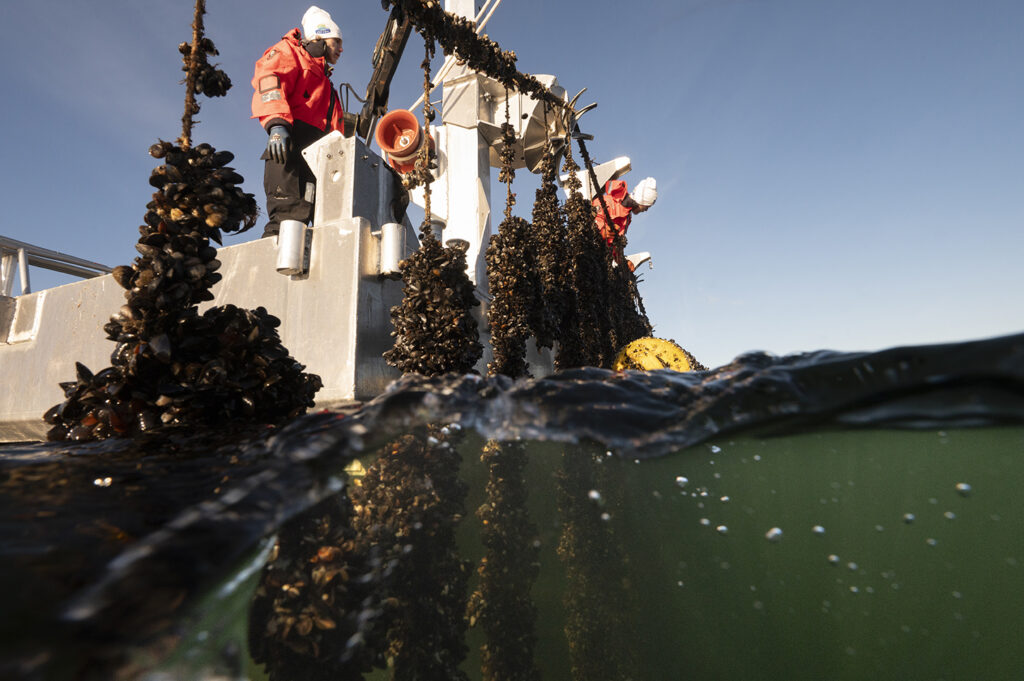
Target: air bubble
833,559
852,566
963,489
682,480
931,541
773,535
724,499
715,449
103,482
949,515
818,529
594,495
908,518
722,529
705,522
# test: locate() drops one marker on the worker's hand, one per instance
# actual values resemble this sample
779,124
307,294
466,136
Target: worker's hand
277,146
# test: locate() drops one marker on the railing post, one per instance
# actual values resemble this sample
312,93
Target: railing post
23,271
6,272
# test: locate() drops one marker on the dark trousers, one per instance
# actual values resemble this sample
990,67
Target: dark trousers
287,183
286,192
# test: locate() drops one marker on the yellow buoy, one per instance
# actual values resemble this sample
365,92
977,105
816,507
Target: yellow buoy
646,354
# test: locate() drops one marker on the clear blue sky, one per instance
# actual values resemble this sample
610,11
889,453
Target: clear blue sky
832,174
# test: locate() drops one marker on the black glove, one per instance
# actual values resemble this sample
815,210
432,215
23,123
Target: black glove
277,146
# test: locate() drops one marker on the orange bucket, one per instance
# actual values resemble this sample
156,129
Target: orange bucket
400,137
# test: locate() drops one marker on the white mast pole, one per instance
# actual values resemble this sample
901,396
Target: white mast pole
468,161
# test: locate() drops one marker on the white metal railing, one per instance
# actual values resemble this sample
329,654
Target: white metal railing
18,255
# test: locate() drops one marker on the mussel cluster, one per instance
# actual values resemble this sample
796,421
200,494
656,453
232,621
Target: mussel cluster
548,239
172,365
628,318
599,615
513,278
410,503
501,605
321,602
435,331
209,80
513,284
586,330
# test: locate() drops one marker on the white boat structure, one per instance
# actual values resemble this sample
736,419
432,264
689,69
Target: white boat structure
335,290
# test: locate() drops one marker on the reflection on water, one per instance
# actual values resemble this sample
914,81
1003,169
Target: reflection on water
637,529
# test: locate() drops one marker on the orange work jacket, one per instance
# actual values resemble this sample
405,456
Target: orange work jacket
291,85
614,194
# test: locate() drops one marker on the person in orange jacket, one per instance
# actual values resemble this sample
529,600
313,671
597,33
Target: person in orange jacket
622,205
296,104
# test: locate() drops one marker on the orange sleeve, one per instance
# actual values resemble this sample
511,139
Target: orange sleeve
272,81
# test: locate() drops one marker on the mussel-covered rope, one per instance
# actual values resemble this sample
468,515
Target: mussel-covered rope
502,605
435,331
547,238
192,74
586,338
410,503
457,36
629,318
173,366
200,76
599,614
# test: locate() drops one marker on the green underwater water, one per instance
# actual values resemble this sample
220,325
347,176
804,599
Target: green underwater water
884,568
876,595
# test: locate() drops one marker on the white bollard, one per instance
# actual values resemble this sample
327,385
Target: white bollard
291,247
392,247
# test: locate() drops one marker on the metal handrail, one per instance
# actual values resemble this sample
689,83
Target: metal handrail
27,254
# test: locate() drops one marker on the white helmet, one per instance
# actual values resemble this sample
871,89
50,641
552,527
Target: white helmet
645,192
316,23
